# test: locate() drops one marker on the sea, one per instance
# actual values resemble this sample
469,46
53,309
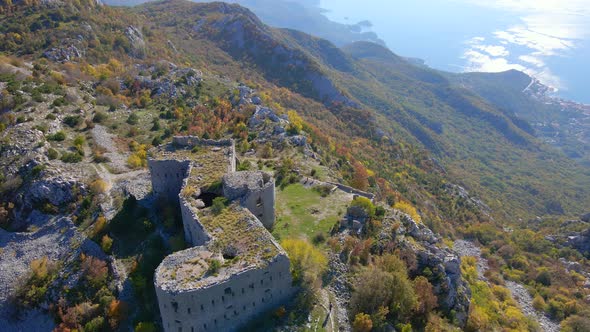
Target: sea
547,39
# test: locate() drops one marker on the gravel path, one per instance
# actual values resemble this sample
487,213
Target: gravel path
342,293
105,140
518,291
524,299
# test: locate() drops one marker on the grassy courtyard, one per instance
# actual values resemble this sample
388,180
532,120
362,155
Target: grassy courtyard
303,212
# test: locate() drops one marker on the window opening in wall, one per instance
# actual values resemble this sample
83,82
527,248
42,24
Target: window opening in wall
192,329
202,307
222,298
205,326
175,306
243,291
227,290
263,300
253,304
212,302
261,282
244,308
235,312
215,321
259,202
188,310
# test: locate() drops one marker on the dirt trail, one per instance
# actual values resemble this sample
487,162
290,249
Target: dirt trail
518,291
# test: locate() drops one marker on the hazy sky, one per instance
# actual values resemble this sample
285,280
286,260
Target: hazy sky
547,28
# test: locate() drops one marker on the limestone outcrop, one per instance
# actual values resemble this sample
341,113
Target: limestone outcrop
443,264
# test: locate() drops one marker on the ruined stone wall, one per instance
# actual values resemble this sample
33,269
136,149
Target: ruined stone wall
262,204
255,191
168,177
185,141
194,234
228,305
351,190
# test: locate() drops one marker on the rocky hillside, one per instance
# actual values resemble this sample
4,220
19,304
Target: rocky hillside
86,90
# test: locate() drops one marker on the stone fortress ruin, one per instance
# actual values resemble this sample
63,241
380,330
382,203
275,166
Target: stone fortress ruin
234,270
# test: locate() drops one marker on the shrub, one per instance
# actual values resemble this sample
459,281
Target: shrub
133,119
73,120
34,290
99,186
408,209
58,136
576,324
244,166
319,238
37,170
214,267
99,225
139,157
157,141
117,311
145,327
79,141
59,102
365,204
296,123
106,243
362,323
71,157
134,161
267,151
219,203
95,271
307,262
99,117
323,190
385,284
543,277
539,303
427,301
95,325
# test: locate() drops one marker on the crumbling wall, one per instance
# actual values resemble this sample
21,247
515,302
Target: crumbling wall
351,190
262,204
168,177
230,304
255,191
194,234
186,141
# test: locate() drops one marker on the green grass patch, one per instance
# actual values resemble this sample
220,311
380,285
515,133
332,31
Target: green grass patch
303,212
